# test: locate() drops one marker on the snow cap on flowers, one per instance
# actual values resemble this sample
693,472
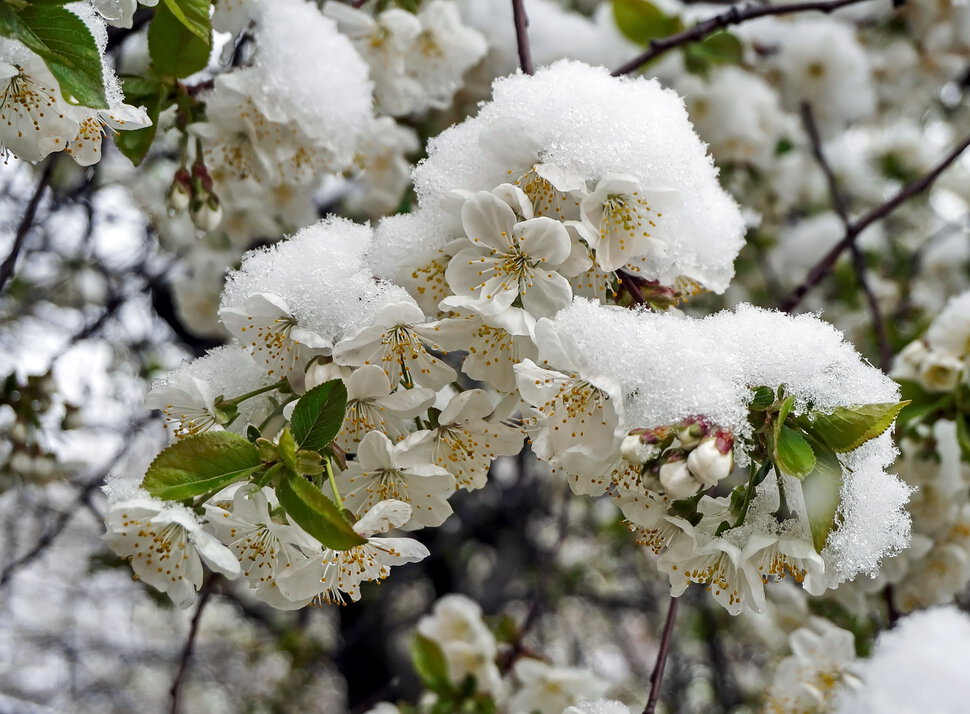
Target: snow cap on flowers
311,75
321,276
669,368
919,666
585,126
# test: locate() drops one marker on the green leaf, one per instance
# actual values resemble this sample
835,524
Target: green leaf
151,94
194,15
175,50
717,49
963,435
641,21
318,415
430,664
68,48
822,490
848,428
793,454
287,449
306,505
199,464
763,398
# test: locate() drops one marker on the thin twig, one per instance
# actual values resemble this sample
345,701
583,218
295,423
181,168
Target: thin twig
826,263
735,16
522,36
7,267
658,669
839,203
176,688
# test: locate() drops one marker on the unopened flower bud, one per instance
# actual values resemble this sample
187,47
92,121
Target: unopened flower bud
691,431
940,372
634,450
179,196
710,462
677,480
207,214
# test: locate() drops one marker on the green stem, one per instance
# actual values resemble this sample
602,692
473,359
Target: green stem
254,393
753,480
333,483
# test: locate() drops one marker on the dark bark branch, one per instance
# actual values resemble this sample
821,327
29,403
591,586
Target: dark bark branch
7,267
658,669
827,262
858,260
522,36
176,687
735,16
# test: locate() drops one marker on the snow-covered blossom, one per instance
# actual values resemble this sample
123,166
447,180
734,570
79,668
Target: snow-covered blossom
401,471
582,408
37,120
330,575
188,397
416,61
513,257
398,341
570,141
166,544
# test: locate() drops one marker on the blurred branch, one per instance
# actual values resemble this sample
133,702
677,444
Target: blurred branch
204,594
658,670
858,260
827,262
735,16
522,36
7,267
87,488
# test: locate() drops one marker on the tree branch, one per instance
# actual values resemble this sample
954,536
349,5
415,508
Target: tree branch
858,260
204,594
7,267
735,16
825,265
658,669
522,36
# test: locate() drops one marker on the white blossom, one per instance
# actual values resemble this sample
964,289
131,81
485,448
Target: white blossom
166,544
401,471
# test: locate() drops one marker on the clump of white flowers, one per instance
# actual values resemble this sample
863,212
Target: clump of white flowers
539,199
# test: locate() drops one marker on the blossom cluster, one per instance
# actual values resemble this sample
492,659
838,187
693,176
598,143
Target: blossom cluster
609,396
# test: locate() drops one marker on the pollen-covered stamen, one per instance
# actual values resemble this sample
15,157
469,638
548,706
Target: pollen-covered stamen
163,550
22,97
579,404
188,420
777,565
272,339
331,595
714,571
431,278
656,539
546,199
626,216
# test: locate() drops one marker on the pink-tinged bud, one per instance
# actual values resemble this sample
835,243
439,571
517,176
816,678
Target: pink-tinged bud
677,480
691,430
634,450
180,192
708,463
